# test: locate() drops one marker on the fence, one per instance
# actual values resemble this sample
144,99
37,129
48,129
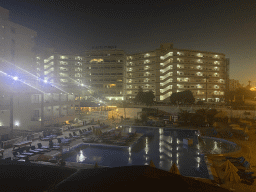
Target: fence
9,143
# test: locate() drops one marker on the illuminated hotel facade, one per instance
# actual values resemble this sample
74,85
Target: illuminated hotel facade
117,76
94,71
168,70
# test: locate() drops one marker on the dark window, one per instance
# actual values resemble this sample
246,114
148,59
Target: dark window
36,113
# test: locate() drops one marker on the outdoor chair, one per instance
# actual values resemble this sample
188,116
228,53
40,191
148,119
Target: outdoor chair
14,153
20,151
32,147
39,145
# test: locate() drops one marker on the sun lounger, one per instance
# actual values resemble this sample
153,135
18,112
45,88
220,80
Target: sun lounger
247,181
22,160
27,154
55,147
244,174
35,151
44,150
242,166
237,160
228,157
21,156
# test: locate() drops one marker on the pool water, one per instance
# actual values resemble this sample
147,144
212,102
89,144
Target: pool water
163,147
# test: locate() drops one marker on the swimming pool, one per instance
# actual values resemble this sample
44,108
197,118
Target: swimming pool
163,147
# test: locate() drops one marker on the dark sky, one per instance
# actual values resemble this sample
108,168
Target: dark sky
227,27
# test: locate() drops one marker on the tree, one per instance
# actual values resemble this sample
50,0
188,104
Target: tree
188,97
148,98
210,115
185,97
139,97
197,119
174,98
145,97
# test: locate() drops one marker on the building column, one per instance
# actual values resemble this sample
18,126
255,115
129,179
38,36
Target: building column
42,110
11,112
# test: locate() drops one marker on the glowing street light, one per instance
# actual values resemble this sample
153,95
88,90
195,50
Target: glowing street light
15,78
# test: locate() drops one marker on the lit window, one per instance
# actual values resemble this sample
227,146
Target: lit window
78,58
199,61
199,55
63,57
146,61
63,69
147,55
78,69
63,63
96,60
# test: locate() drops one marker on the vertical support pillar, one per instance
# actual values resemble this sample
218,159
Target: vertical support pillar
11,112
42,111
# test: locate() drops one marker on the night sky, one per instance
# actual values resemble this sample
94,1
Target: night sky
227,27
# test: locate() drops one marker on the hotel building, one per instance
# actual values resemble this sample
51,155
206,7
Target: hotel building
25,102
168,70
117,76
94,71
16,46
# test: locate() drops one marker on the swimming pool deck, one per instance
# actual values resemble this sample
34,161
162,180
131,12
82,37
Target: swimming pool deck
247,149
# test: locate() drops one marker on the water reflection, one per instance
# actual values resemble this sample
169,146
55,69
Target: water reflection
80,157
163,148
